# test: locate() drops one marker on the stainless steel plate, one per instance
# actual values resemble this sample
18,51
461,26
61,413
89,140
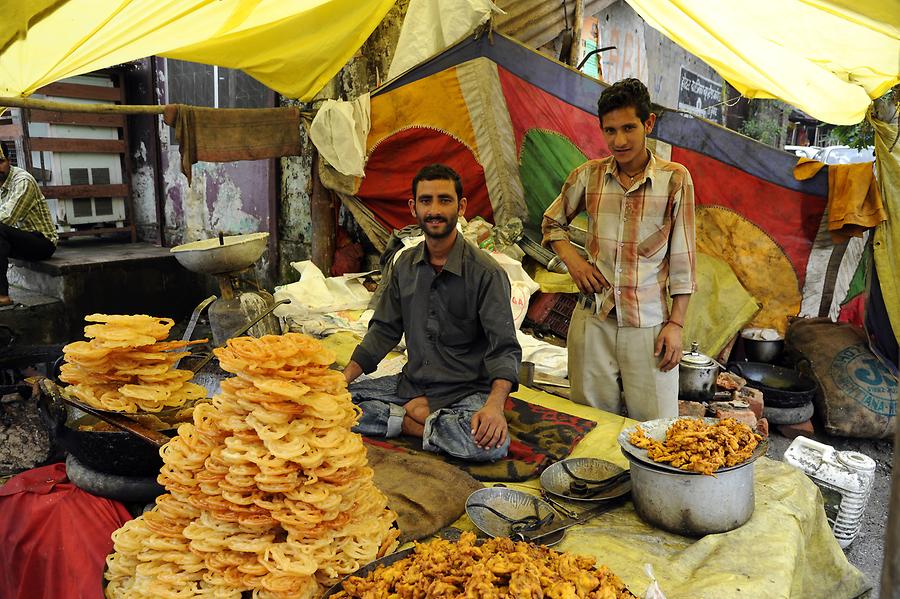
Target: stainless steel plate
557,482
513,504
656,429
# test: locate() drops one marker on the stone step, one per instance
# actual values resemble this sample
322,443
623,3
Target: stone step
33,319
99,276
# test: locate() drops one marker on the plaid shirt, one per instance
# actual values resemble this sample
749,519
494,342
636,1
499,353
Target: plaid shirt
641,240
22,205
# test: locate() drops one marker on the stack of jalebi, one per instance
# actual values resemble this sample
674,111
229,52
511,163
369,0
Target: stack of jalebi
127,367
269,490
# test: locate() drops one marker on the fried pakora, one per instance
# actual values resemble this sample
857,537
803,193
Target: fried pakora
693,445
497,569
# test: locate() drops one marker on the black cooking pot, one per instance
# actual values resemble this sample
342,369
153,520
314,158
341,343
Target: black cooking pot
112,452
781,387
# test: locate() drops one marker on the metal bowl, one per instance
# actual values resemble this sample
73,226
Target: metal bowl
513,504
557,482
212,257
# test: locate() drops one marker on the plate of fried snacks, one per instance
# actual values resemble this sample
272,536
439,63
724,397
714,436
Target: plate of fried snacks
693,445
127,366
269,492
586,479
498,568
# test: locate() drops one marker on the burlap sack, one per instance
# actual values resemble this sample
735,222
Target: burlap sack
857,395
427,493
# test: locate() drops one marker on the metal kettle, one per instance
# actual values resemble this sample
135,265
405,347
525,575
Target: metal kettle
697,374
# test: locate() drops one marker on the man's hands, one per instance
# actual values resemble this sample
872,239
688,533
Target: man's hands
668,347
489,423
489,427
351,371
586,276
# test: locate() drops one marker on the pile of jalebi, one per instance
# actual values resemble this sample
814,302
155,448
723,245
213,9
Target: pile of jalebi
126,366
269,490
692,444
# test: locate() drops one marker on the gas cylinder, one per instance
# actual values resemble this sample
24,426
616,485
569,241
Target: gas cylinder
845,479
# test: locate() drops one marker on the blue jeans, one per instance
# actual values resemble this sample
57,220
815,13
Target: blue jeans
447,430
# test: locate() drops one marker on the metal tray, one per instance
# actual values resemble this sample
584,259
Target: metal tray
656,429
557,482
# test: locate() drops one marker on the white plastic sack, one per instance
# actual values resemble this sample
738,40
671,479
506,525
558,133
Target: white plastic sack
316,294
521,285
339,131
546,357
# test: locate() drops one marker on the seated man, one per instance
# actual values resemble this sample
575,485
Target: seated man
451,300
26,229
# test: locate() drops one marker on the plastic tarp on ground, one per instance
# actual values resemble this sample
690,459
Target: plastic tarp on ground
514,123
785,550
293,47
825,57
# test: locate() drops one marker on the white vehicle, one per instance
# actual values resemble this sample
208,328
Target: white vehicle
845,155
803,151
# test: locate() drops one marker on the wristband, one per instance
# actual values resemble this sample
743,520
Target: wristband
678,324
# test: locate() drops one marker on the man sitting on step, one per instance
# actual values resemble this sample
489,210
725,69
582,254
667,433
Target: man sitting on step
26,229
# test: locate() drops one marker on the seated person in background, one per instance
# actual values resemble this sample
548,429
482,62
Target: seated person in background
26,229
452,301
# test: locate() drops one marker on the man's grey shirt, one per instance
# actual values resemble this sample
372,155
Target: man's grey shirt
458,322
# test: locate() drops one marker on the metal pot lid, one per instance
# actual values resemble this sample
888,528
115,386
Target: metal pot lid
695,358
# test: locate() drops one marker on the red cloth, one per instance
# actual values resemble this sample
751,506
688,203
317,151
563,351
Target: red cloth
55,536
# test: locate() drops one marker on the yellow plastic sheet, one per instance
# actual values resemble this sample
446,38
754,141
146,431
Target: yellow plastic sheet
827,58
887,234
294,47
786,549
719,308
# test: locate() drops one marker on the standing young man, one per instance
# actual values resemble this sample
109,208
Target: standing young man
640,251
452,301
26,228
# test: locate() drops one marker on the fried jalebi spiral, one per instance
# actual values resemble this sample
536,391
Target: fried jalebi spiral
269,491
692,444
127,367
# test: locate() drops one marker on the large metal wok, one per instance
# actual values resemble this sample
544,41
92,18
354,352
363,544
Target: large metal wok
781,387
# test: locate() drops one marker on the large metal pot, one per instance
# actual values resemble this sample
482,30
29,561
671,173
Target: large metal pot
697,376
692,504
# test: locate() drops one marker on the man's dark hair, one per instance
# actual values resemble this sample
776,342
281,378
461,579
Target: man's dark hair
624,93
438,172
4,151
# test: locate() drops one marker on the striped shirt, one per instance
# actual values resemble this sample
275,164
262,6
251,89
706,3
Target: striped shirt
642,240
22,205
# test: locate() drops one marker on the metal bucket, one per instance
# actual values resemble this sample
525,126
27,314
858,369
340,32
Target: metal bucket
692,504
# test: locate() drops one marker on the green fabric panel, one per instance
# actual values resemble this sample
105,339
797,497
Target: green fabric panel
545,160
858,283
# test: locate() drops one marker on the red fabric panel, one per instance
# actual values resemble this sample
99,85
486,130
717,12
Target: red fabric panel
55,536
791,218
854,311
531,107
392,165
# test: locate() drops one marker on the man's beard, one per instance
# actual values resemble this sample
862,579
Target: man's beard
450,225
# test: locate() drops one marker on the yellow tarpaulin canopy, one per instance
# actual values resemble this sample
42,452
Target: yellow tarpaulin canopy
293,46
825,57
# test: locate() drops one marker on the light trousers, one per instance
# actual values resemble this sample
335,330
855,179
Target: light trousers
607,361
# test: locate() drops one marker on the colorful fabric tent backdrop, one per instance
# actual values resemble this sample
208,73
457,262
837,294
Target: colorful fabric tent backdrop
514,123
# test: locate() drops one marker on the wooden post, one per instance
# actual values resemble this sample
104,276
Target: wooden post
577,27
324,228
80,107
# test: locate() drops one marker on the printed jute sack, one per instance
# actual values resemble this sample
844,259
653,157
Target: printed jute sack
857,395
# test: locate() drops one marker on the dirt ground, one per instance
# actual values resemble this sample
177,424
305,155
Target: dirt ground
867,550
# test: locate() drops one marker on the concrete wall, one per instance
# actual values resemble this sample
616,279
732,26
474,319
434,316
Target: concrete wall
142,143
645,53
